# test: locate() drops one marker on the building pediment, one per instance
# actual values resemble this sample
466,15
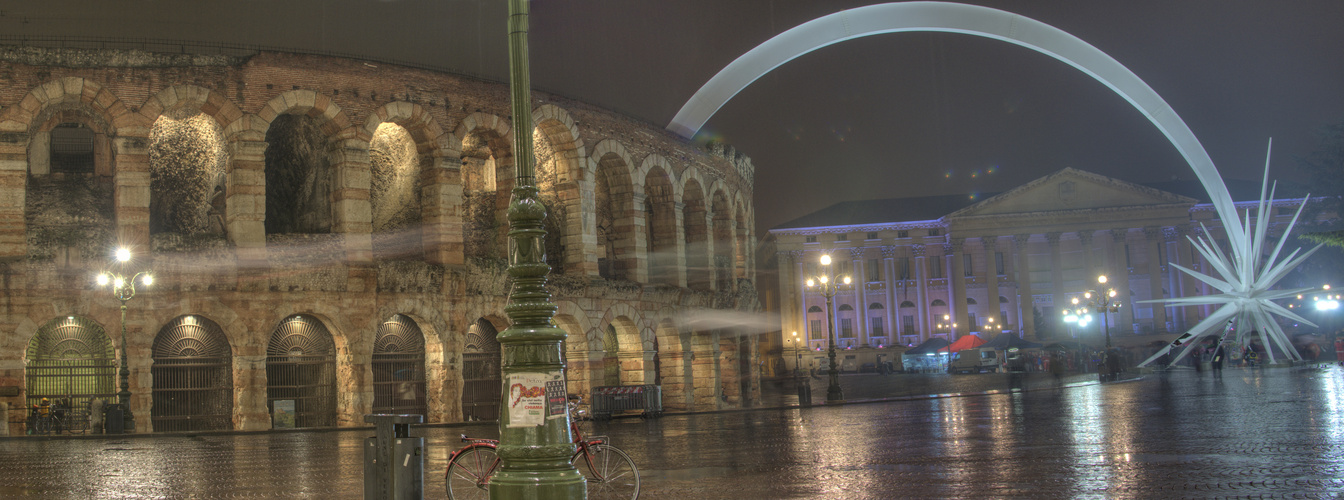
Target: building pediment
1071,190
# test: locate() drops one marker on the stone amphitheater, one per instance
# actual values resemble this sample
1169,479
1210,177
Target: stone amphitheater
327,237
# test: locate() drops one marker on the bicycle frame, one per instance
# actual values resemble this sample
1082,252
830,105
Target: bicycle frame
584,447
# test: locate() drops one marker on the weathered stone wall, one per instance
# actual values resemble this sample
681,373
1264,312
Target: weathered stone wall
248,279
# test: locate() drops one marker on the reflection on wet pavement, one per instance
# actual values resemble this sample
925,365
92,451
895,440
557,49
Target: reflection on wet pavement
1272,433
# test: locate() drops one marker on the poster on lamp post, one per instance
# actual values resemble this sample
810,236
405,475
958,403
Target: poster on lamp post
528,399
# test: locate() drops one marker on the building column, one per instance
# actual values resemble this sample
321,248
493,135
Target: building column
1026,301
788,287
957,282
1125,318
860,296
1153,236
633,229
1057,293
1085,240
799,284
892,305
921,292
991,310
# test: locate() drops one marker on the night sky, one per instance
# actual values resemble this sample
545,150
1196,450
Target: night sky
895,115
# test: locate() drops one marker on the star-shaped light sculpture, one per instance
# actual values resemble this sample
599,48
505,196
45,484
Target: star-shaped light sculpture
1245,280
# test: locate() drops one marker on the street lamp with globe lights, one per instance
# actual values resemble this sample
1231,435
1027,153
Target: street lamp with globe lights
1103,301
829,287
123,288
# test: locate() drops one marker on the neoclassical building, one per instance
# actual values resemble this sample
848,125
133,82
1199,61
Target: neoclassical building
945,266
331,232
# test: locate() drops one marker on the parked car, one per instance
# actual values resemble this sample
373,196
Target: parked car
975,360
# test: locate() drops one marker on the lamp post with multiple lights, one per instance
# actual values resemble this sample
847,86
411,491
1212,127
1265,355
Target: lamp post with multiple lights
945,328
797,354
828,286
123,288
1103,301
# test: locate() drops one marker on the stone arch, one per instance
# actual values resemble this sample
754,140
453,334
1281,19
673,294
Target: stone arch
400,185
486,183
302,367
482,377
696,231
966,19
188,160
579,347
562,178
192,376
62,347
441,379
107,137
722,232
341,167
613,214
663,241
626,354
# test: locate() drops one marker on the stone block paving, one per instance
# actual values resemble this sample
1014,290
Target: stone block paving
1272,433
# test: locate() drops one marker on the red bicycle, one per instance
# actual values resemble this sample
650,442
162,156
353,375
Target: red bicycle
610,472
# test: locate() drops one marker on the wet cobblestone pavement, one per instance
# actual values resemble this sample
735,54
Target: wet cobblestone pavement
1276,433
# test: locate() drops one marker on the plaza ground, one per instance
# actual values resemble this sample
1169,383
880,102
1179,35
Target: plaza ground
1261,433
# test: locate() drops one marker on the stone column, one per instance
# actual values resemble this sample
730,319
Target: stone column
713,272
245,203
352,216
13,177
678,267
991,310
860,296
922,292
441,197
634,236
957,282
1085,242
1153,237
1026,301
249,395
131,190
889,278
1121,283
1057,292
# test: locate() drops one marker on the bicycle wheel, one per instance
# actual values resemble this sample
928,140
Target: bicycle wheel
468,475
611,473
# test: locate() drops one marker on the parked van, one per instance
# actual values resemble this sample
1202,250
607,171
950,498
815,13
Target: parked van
974,360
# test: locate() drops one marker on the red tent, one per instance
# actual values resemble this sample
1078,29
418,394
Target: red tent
965,342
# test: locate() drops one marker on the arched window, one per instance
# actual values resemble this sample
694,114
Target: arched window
876,306
814,309
938,303
72,149
970,301
846,307
907,304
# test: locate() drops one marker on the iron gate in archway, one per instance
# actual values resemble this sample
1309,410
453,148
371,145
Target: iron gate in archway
70,359
193,377
301,367
399,367
481,385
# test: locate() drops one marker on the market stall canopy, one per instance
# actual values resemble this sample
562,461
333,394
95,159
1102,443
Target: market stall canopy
965,342
931,346
1007,340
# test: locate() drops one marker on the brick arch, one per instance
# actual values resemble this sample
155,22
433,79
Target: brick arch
209,102
73,91
696,231
612,166
431,154
665,259
560,129
429,137
723,235
333,120
632,321
351,402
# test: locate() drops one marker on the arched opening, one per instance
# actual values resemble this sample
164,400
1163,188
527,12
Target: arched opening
301,374
193,377
299,177
845,330
394,193
877,327
740,243
723,242
68,202
481,375
558,151
187,159
486,180
698,272
816,323
613,213
399,367
909,327
661,224
611,363
70,360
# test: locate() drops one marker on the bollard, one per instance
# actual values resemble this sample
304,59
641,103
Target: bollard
804,391
394,463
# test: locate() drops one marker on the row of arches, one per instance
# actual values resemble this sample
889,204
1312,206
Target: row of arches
398,185
198,380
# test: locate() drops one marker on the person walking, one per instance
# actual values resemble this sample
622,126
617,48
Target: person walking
1217,360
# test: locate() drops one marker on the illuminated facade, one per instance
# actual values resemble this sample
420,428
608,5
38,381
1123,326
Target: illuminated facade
330,233
946,266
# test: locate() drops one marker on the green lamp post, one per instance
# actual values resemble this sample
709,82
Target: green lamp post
534,439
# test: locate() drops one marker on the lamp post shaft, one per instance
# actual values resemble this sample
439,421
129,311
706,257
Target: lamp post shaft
534,447
834,395
124,395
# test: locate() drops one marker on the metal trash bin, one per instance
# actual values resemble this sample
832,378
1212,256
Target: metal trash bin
394,462
804,391
610,399
114,419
